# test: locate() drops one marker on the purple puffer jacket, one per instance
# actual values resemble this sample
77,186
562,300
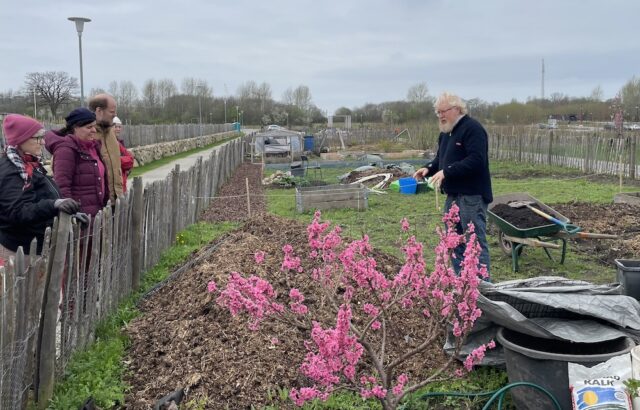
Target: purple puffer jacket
76,172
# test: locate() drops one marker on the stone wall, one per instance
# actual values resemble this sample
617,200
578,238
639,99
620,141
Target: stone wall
149,153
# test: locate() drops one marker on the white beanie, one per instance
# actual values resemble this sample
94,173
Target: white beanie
116,120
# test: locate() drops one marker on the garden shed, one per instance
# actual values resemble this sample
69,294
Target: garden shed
277,143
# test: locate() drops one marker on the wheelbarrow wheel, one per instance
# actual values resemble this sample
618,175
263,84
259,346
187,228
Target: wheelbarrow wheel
506,245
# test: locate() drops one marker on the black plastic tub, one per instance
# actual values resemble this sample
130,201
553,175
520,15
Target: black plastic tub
545,363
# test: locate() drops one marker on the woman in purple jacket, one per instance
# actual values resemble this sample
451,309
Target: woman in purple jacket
77,167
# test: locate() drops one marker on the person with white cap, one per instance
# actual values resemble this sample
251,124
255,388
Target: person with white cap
126,157
30,198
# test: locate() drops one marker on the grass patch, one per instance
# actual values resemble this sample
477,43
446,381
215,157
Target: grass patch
98,371
137,171
381,221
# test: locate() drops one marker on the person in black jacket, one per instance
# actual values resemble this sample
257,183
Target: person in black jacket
461,170
30,198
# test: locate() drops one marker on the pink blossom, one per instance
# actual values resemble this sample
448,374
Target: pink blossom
402,380
404,224
211,286
303,395
259,257
376,325
370,309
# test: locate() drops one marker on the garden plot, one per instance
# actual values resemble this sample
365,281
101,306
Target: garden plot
185,340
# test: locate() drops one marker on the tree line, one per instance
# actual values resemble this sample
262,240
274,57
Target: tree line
50,95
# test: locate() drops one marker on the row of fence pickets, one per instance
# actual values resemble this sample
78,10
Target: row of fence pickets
42,324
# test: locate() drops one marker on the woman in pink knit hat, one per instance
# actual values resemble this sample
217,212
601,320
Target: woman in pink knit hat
30,198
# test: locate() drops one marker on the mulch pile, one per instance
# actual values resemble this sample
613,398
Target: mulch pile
355,175
184,340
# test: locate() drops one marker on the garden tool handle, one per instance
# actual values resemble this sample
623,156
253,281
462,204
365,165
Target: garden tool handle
567,227
588,235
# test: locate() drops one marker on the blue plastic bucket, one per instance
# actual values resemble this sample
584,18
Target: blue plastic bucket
408,186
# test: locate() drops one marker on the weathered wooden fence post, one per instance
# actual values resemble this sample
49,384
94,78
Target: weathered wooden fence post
175,201
46,356
550,152
136,234
632,155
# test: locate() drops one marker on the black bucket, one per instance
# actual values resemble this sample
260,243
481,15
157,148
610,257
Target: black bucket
545,362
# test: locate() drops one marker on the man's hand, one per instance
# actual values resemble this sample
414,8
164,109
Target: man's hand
437,179
420,174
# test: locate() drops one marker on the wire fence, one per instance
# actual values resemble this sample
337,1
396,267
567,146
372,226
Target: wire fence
51,304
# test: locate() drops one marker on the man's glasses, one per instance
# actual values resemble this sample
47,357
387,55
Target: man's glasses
439,113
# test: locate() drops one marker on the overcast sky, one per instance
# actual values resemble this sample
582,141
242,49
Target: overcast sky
347,52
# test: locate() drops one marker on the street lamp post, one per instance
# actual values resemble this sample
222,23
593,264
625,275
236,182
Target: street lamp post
79,26
637,117
237,113
35,104
225,110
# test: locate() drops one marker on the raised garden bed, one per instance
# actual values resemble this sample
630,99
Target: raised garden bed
632,198
332,197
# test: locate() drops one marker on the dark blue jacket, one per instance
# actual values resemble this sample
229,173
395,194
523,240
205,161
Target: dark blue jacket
25,214
463,155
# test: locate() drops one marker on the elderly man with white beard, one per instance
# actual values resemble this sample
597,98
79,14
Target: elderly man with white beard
461,170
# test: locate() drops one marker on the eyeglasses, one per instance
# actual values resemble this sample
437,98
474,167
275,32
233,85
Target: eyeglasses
441,112
38,139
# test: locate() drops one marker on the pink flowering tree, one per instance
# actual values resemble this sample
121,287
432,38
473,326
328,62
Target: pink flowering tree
357,352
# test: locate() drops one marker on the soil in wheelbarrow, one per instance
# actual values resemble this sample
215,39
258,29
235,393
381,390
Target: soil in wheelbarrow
521,218
184,339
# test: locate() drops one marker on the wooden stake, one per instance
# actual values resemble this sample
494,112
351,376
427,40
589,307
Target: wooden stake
620,167
246,180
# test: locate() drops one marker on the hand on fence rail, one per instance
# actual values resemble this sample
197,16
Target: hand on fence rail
67,205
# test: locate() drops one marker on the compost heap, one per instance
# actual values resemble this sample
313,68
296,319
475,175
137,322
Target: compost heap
184,340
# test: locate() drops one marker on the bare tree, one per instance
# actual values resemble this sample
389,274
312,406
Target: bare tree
150,94
53,87
418,93
126,94
302,97
263,92
248,90
166,89
287,96
597,94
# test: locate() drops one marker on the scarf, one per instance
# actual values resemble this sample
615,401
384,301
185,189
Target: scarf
26,164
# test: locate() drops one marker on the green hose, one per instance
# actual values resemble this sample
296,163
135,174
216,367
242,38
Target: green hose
495,394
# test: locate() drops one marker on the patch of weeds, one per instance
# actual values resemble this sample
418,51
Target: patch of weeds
458,393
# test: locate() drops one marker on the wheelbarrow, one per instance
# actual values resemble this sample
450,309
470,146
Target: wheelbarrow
512,239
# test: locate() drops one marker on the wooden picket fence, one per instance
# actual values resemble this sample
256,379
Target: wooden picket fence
594,152
140,135
51,304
